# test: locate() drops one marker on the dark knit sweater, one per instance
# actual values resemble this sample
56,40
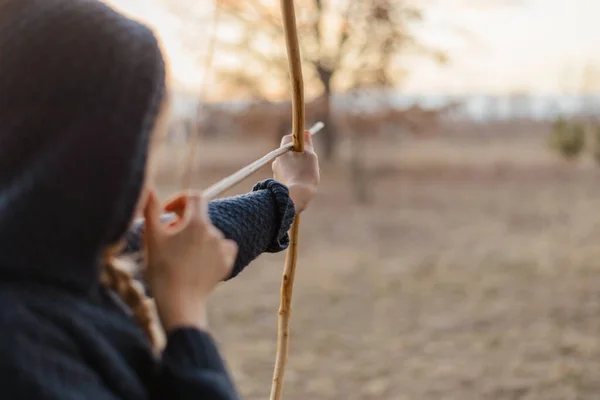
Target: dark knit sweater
80,90
57,344
257,221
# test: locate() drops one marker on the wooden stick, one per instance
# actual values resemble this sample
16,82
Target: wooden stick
291,257
227,183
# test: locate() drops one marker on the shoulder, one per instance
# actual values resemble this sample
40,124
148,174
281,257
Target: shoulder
37,355
24,328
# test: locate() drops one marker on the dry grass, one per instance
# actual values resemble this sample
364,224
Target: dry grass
473,275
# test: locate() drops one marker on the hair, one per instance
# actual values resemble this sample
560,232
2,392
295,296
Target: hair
116,272
116,275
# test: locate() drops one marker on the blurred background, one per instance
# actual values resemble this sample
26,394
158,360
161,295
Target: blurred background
452,251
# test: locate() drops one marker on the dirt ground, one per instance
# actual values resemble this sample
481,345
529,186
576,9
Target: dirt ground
473,274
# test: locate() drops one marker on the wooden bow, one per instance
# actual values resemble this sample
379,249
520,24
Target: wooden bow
291,257
297,83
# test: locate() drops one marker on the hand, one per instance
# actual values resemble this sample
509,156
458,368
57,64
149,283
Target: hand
299,172
186,260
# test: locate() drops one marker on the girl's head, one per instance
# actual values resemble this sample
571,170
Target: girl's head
81,87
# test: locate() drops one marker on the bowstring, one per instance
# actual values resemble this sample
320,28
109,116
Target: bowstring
195,137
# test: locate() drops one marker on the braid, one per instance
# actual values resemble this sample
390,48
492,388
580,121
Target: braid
115,276
116,271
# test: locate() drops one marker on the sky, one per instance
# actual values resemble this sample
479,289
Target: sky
539,46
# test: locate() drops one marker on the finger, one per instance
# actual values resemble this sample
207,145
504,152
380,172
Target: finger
215,232
152,214
229,249
176,205
287,139
308,141
197,209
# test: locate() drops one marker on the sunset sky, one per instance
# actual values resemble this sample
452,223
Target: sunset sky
535,45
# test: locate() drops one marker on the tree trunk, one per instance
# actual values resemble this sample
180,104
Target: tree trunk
358,176
328,136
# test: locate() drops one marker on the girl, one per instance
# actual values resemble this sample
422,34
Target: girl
82,96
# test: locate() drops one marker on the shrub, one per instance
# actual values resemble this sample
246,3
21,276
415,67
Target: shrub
568,140
597,144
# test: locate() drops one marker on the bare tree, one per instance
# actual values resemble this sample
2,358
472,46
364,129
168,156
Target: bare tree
346,44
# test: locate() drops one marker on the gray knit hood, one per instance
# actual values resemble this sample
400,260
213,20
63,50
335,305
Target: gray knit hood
80,89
